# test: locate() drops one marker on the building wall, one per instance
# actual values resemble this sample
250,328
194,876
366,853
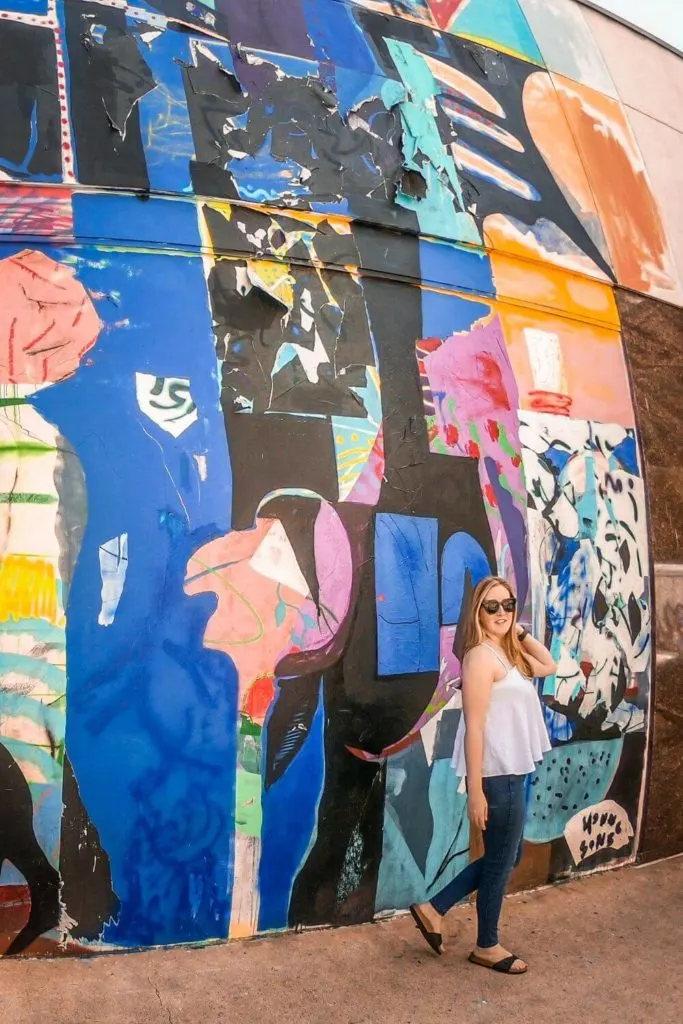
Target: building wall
309,320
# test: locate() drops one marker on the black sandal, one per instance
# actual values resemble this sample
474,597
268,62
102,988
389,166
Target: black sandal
503,966
433,939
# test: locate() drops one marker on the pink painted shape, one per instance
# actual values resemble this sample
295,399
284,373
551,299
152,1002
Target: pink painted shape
334,567
47,319
366,489
243,624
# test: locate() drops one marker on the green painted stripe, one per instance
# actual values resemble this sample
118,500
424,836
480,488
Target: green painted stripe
13,401
19,498
27,448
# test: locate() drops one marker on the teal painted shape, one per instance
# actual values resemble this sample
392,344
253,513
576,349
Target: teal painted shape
52,676
43,631
29,753
571,778
587,505
451,828
424,151
17,705
400,881
500,22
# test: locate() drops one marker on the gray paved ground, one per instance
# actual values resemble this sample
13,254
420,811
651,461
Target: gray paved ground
605,949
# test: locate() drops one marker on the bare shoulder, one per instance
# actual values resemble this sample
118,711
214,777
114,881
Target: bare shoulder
479,659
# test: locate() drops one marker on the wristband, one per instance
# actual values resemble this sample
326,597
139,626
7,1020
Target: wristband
523,635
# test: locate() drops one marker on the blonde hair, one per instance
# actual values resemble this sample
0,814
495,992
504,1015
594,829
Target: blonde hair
473,633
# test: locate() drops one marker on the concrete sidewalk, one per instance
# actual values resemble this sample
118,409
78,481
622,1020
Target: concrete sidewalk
606,949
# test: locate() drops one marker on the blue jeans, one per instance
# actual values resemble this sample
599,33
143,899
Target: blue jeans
489,875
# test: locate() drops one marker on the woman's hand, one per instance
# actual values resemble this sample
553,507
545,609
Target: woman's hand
478,809
538,656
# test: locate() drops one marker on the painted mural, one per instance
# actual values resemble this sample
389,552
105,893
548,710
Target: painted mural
307,323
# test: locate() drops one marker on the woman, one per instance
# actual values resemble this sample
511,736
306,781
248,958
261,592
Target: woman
501,738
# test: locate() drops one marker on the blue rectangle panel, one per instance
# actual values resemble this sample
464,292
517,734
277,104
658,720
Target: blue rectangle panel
407,594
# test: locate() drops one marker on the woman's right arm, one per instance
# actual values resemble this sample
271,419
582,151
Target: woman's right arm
477,683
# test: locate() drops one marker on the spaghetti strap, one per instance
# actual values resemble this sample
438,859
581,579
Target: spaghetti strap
495,653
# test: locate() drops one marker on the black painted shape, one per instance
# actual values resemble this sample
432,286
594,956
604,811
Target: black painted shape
445,735
87,891
411,805
334,886
213,95
289,723
120,74
619,690
298,516
504,77
102,90
299,121
252,326
255,233
30,139
235,310
363,711
20,847
356,521
274,451
635,618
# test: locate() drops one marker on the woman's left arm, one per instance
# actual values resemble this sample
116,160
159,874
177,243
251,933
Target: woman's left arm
539,656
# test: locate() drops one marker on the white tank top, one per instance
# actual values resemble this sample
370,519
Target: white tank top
515,735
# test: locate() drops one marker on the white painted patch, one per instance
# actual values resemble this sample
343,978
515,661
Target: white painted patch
429,730
275,559
166,401
113,569
202,467
545,357
604,826
312,360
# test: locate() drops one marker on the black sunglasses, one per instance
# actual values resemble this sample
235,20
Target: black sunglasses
491,607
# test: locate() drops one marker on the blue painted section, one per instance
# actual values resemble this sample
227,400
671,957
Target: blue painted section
571,778
164,119
462,556
32,7
450,265
121,219
151,728
406,591
625,455
444,315
498,22
290,814
337,37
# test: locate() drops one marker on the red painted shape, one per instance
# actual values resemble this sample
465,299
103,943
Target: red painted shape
490,495
451,435
490,379
492,429
258,699
443,11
